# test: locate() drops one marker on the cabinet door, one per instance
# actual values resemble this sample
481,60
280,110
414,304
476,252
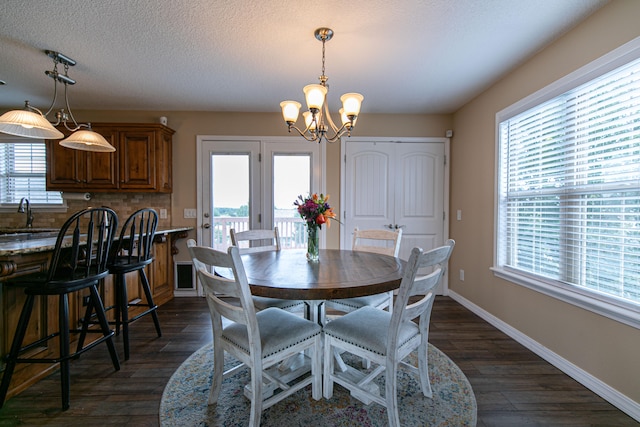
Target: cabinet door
163,171
161,271
137,151
101,172
65,167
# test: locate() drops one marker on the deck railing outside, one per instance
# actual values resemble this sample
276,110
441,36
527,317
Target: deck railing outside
291,230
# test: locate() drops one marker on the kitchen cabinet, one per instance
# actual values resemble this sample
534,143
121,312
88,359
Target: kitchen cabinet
141,162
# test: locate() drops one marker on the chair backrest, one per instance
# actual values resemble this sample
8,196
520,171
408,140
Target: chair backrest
388,241
405,309
207,260
250,241
135,243
83,246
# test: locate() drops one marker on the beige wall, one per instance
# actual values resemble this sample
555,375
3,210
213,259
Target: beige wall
188,125
606,349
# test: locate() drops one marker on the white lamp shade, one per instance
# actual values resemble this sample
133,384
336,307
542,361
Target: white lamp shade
28,124
345,118
290,110
87,140
314,94
308,121
351,103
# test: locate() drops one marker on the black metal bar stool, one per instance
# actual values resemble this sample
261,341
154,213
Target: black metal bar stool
133,252
79,262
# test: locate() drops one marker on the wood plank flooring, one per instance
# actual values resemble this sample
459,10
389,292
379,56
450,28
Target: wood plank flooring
513,386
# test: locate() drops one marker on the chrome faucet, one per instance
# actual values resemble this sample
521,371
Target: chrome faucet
24,201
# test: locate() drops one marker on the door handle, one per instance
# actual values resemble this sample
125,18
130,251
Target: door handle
400,226
206,225
389,226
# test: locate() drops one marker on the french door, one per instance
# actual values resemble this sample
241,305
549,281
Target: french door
252,183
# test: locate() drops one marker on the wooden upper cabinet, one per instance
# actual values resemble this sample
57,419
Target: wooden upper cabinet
141,162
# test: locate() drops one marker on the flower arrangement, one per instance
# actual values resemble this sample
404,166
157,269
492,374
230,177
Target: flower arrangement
315,210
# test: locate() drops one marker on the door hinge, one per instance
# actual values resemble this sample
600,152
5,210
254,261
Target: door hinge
345,159
445,160
259,157
444,216
259,218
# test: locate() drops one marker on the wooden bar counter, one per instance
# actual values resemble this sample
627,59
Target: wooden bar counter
30,254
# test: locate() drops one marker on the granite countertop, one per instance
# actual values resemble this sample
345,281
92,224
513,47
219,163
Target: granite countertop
47,241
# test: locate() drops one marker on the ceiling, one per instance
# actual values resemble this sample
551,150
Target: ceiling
404,56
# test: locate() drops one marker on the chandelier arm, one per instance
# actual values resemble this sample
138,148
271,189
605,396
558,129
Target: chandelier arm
343,129
66,100
53,74
334,128
304,134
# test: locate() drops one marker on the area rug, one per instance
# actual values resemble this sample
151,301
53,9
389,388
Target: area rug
184,401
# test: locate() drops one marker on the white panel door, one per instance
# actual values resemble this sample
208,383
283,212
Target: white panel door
395,184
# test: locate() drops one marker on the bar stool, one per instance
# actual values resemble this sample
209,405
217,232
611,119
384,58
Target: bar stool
133,252
79,262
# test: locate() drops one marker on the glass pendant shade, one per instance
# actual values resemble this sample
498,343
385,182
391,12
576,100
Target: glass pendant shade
308,121
351,103
315,94
87,140
290,110
28,124
345,119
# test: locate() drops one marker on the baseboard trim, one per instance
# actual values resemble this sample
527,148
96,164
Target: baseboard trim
611,395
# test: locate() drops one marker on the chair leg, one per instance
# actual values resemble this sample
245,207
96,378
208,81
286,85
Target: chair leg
256,390
391,393
104,325
23,322
123,318
218,373
63,325
327,386
86,320
147,292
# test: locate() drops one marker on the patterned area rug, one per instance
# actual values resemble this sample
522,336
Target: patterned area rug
184,401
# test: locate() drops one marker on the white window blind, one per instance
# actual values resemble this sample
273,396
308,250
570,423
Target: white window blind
569,189
22,174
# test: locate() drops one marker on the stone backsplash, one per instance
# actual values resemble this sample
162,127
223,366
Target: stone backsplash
123,203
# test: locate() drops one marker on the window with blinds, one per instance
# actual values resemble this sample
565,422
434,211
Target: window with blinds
569,189
22,174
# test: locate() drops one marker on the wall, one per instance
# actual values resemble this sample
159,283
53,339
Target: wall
605,349
189,124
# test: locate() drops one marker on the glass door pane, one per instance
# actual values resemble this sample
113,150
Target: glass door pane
231,196
291,178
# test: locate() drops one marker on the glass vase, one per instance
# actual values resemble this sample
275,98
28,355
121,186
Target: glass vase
312,244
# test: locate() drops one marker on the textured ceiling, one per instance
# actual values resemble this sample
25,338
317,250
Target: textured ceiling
404,56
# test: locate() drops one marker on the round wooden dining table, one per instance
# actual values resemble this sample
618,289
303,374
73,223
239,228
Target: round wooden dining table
338,274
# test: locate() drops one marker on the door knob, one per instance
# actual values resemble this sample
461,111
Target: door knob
389,226
206,225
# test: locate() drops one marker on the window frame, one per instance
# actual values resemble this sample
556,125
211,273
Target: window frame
35,206
618,310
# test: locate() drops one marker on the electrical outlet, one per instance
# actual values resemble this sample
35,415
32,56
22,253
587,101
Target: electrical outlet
190,213
163,213
461,275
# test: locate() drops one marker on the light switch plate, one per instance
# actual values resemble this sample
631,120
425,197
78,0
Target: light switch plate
190,213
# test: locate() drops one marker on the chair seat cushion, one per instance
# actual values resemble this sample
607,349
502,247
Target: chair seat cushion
279,330
262,303
357,302
374,336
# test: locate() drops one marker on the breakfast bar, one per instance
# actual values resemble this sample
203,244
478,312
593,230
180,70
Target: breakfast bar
27,251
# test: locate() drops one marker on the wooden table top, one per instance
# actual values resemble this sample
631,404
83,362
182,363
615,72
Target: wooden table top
339,274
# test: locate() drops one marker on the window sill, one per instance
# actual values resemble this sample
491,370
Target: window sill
583,298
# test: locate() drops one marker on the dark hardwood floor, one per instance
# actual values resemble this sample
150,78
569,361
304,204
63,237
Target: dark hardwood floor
513,386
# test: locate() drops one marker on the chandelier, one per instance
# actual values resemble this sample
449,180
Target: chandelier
317,119
31,123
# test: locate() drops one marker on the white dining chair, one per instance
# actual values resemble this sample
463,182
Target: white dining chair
252,241
385,242
258,340
387,339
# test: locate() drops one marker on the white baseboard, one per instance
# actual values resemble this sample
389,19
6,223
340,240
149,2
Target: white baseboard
611,395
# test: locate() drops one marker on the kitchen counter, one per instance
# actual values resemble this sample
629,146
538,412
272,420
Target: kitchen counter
47,242
32,254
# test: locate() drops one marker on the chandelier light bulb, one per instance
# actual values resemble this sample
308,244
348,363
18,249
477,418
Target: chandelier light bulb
290,111
315,94
351,103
